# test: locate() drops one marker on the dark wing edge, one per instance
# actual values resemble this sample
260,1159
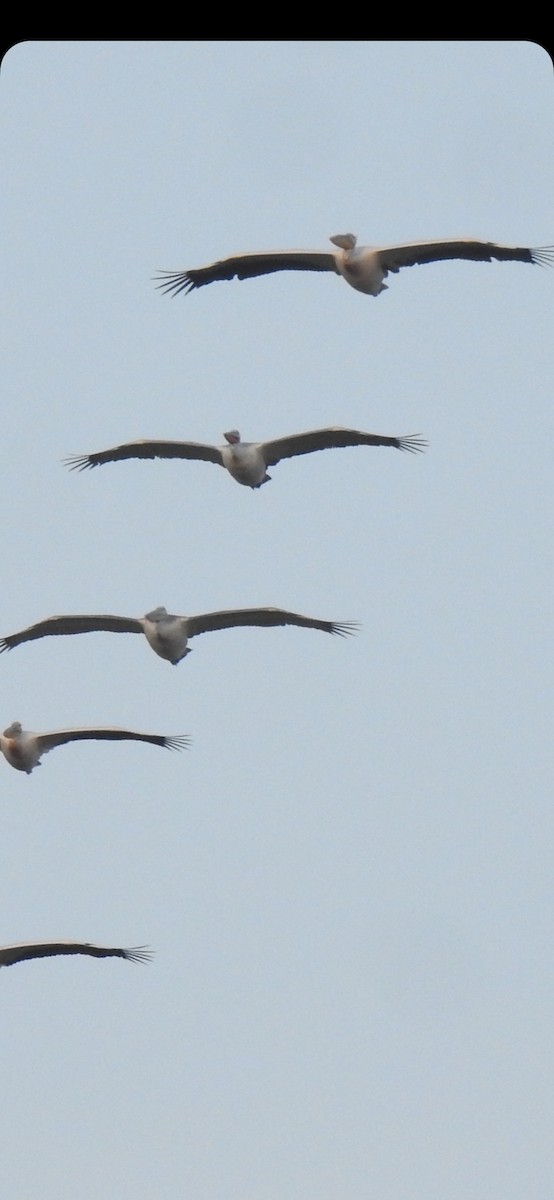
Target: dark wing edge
345,628
140,954
84,462
543,256
132,954
412,442
180,741
173,282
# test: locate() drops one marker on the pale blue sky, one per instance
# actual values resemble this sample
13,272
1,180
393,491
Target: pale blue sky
347,880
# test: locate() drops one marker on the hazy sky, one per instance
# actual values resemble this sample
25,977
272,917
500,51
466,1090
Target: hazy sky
347,879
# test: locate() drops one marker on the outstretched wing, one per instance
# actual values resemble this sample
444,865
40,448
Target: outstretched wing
229,618
59,737
145,449
392,258
69,625
22,951
246,266
334,438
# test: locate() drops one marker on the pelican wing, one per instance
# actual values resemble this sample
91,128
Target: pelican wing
229,618
22,951
71,624
59,737
327,439
146,449
246,266
392,258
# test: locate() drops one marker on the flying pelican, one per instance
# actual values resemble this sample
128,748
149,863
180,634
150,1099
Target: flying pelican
247,461
168,634
364,267
23,750
21,951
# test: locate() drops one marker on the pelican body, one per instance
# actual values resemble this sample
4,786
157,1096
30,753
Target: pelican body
365,268
23,951
23,750
247,462
167,634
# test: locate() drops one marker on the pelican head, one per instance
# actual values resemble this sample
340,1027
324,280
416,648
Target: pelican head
157,614
233,437
345,241
14,729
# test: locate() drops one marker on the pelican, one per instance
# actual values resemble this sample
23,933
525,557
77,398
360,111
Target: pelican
168,634
21,951
23,750
247,462
364,267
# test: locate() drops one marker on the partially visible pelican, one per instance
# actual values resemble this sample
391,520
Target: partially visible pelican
247,461
364,267
23,750
168,634
21,951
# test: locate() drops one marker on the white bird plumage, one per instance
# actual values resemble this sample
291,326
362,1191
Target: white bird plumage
23,749
365,268
22,951
167,633
247,462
